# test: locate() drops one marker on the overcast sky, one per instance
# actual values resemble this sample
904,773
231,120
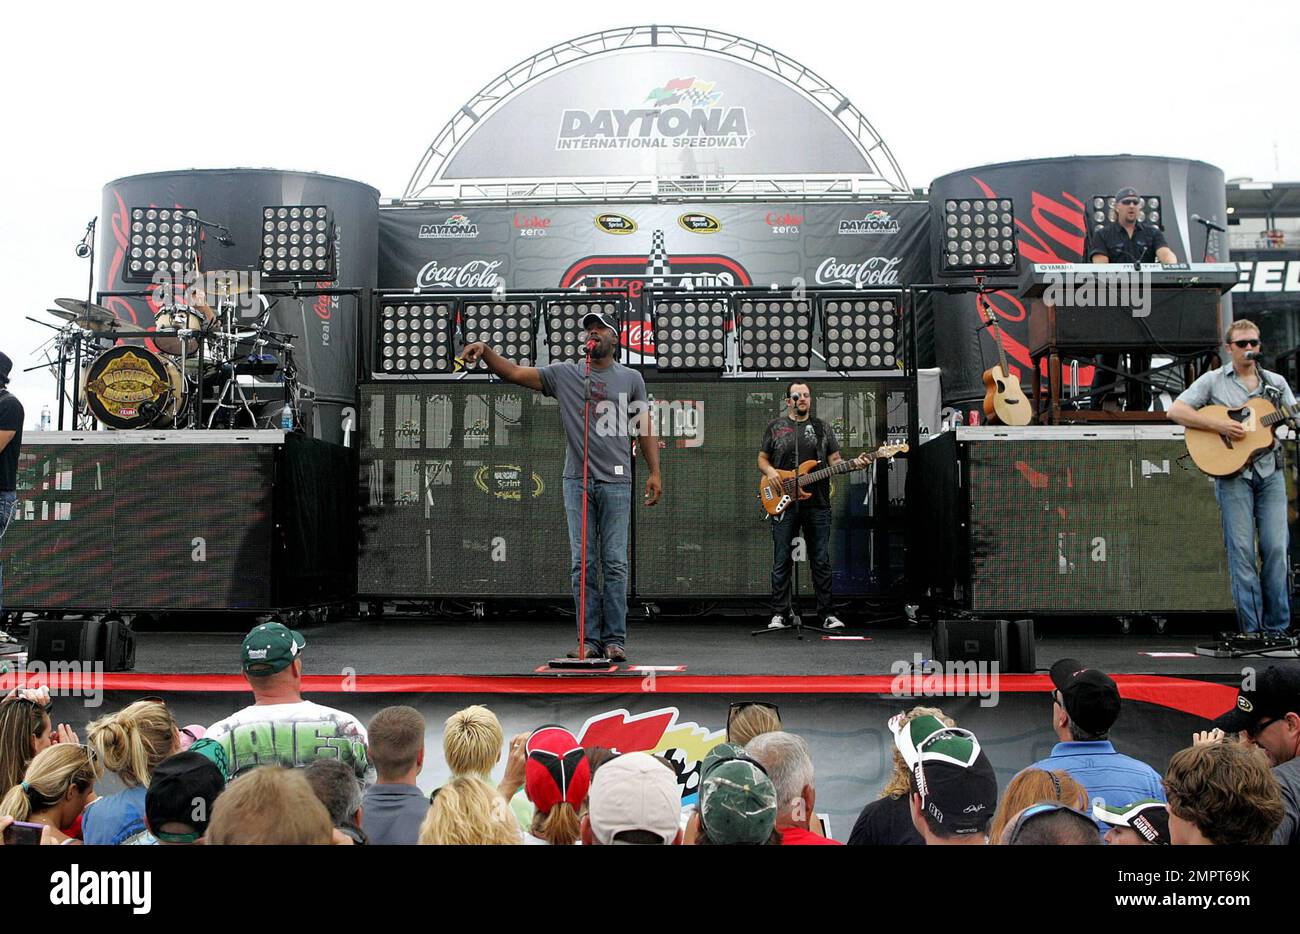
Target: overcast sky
947,85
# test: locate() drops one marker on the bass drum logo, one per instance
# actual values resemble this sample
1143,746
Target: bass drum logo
699,223
615,223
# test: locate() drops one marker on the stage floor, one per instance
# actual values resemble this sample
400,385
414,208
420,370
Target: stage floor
702,648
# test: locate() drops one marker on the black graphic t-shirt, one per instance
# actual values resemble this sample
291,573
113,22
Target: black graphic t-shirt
11,419
788,443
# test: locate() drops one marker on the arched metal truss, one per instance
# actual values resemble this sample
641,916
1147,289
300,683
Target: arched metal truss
426,183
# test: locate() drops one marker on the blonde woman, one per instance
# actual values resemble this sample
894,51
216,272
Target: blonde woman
1035,786
130,744
887,821
472,743
467,811
57,786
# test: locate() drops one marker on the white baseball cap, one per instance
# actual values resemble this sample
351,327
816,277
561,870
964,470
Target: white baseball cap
634,791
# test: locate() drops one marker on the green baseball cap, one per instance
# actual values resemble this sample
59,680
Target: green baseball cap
737,801
269,648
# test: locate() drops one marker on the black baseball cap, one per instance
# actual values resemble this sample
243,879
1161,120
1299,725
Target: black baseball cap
6,365
1276,693
182,790
1126,193
1091,696
954,777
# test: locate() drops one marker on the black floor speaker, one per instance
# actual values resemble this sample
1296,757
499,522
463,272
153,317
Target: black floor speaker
1008,642
84,641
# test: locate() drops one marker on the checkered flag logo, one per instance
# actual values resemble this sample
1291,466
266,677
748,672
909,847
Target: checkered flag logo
657,268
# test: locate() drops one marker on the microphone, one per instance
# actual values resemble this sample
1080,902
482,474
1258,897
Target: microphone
590,345
1209,224
83,248
225,239
1254,355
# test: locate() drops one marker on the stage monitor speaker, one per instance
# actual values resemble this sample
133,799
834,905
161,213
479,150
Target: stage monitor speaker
109,640
1010,643
1069,521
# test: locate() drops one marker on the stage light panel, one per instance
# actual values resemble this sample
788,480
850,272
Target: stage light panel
775,333
690,333
162,240
1102,211
979,235
862,332
297,242
564,334
508,327
413,338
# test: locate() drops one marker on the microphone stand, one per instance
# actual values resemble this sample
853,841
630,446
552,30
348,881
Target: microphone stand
583,662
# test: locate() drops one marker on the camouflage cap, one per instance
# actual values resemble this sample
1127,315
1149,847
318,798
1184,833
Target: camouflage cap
737,803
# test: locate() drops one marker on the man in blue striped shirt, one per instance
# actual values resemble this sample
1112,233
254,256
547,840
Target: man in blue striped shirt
1085,705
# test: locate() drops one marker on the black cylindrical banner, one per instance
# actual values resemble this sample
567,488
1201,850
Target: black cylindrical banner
1054,207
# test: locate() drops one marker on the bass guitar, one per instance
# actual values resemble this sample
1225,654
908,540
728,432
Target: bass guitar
777,497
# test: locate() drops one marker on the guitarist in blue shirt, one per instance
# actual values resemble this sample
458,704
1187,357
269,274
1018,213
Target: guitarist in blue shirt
1254,501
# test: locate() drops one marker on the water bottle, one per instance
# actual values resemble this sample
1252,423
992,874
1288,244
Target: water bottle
286,417
45,418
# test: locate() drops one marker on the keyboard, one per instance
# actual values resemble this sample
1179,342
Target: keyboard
1219,276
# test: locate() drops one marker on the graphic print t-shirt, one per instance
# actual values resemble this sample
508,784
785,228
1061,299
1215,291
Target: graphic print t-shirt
814,441
613,416
292,735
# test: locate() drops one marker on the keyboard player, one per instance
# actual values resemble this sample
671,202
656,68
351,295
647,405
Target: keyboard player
1129,240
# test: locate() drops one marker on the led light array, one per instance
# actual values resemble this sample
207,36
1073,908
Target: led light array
162,240
414,338
507,327
862,333
690,334
564,334
978,234
297,242
775,334
1103,211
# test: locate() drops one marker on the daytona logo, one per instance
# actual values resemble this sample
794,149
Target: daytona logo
456,227
685,113
877,222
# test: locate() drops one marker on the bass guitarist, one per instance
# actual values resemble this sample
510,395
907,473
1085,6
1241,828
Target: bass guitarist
789,440
1252,502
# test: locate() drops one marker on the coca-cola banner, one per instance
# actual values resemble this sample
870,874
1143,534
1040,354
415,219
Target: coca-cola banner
1054,216
631,246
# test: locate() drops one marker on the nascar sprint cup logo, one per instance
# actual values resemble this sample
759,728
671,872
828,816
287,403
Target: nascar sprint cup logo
684,113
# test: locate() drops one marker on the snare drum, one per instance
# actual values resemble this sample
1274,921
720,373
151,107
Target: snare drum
133,387
179,317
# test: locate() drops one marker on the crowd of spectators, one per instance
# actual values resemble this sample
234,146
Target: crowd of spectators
284,770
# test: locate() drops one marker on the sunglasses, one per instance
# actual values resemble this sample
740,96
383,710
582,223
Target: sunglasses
1255,731
1131,201
741,705
1244,344
1038,810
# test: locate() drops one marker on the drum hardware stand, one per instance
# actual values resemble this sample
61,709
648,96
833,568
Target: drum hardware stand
85,248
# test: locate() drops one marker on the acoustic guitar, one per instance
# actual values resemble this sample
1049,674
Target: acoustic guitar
1004,400
1221,456
777,497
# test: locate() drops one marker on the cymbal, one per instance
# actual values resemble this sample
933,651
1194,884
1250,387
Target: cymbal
86,311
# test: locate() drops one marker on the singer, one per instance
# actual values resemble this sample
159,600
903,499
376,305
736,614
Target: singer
1254,501
608,470
1128,240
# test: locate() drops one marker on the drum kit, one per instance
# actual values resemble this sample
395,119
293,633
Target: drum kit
198,366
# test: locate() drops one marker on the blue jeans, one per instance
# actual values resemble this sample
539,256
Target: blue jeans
1250,506
609,512
8,503
815,523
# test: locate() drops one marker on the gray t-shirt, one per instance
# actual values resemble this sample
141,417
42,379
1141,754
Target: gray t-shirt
1288,779
617,399
1223,387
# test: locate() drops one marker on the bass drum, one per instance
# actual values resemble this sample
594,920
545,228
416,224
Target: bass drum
133,387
